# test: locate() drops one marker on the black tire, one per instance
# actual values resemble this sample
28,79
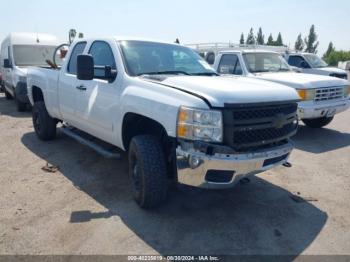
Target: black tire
21,107
44,124
147,169
317,122
7,94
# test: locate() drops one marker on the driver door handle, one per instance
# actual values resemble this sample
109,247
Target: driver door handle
81,87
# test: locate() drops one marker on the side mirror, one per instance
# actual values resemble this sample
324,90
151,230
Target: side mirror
7,63
85,67
303,64
110,73
210,58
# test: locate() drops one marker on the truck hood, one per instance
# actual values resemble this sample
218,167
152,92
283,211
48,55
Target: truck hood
22,70
221,90
330,70
299,80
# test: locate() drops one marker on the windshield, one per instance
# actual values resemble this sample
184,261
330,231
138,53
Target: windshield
315,61
265,62
157,58
33,55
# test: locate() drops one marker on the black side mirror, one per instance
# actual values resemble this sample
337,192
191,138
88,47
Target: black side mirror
110,73
7,63
303,64
85,67
210,58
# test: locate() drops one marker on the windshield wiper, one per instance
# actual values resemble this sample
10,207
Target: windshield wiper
205,74
164,73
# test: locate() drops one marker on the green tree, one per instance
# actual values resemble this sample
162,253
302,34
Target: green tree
250,38
335,56
279,41
299,44
260,38
241,41
270,40
311,41
330,49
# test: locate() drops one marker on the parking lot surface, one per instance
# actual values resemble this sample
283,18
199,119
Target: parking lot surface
86,207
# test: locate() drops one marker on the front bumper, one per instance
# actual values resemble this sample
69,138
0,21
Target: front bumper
310,109
196,168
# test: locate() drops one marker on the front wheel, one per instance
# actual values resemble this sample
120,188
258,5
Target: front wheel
44,124
318,122
147,168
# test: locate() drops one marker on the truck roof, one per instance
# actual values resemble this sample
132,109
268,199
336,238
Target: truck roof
27,38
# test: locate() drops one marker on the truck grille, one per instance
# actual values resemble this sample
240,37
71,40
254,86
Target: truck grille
252,126
342,76
329,93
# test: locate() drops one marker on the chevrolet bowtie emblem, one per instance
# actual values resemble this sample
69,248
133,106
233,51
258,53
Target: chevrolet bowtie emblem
280,120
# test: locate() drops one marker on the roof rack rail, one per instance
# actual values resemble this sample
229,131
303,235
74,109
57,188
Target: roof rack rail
222,46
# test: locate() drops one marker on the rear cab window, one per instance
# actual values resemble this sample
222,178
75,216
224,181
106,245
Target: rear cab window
72,64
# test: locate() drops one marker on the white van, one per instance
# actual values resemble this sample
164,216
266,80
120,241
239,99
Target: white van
18,52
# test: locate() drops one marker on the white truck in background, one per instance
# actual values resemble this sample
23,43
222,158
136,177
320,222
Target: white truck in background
169,109
19,51
322,96
345,65
312,64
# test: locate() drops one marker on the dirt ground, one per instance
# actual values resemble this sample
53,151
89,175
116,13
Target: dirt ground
86,207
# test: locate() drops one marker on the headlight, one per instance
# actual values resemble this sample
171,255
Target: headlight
198,124
346,91
307,94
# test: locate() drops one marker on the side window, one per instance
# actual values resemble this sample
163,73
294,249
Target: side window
103,56
229,64
295,60
78,50
238,69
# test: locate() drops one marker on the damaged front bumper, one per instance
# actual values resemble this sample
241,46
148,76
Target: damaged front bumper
224,170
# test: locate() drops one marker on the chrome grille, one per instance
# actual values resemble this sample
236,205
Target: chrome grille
329,93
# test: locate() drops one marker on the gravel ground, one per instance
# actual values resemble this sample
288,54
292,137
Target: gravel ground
86,206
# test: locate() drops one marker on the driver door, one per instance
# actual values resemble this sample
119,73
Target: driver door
97,99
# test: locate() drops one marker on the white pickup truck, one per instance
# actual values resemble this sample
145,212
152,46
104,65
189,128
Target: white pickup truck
322,96
165,105
312,64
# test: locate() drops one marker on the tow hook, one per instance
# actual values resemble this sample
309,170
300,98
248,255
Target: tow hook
287,164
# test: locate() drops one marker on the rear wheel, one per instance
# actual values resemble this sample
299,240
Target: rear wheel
147,169
44,124
317,122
